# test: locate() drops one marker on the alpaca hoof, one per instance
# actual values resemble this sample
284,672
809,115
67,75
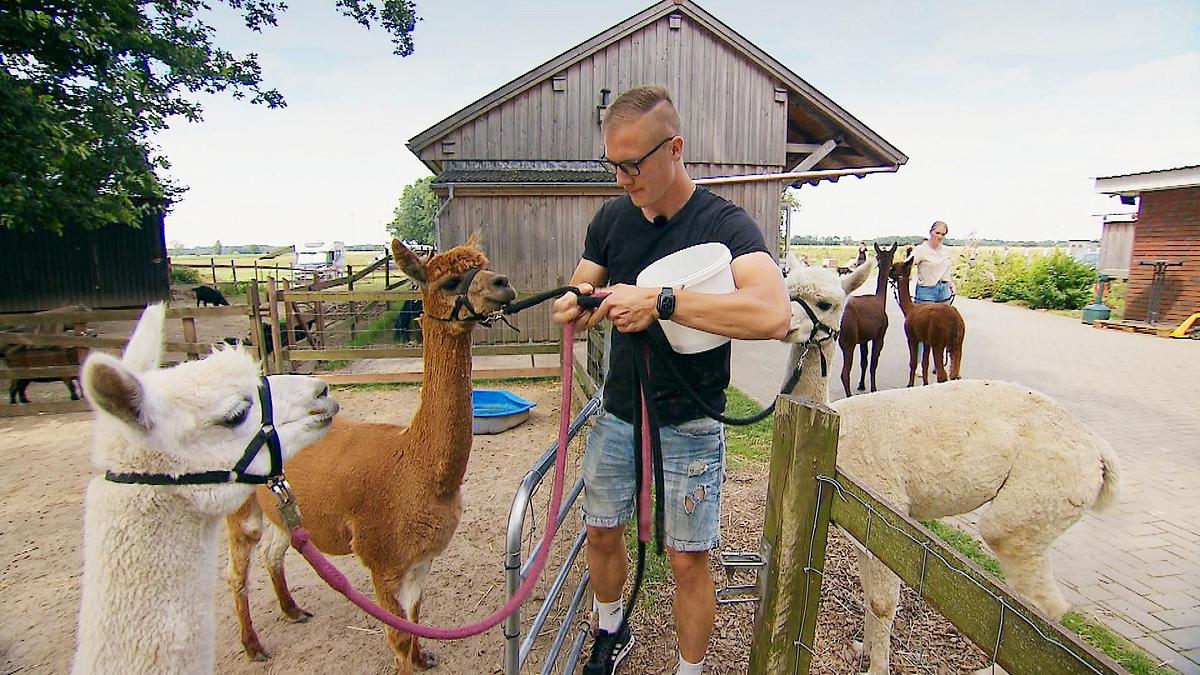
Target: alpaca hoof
425,660
861,388
299,616
260,655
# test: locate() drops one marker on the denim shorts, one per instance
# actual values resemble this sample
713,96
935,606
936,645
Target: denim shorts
936,293
693,470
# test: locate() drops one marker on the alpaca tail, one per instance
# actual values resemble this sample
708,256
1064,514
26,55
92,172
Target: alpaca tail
1111,469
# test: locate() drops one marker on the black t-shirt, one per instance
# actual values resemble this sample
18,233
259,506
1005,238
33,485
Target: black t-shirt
621,240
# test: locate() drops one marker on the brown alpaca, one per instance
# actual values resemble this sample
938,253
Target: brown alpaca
939,326
386,493
865,321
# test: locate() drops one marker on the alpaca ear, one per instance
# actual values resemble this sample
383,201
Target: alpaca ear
857,276
894,245
115,389
146,345
409,263
474,240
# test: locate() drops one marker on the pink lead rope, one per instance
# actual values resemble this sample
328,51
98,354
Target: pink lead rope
336,580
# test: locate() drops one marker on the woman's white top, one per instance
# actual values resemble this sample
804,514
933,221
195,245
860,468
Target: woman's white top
932,265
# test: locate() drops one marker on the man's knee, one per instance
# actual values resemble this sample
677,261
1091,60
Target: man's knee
606,540
686,565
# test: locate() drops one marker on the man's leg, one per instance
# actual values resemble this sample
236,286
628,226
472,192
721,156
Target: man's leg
695,603
607,561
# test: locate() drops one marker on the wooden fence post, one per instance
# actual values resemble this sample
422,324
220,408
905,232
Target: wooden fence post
793,543
276,339
256,326
233,269
213,263
189,336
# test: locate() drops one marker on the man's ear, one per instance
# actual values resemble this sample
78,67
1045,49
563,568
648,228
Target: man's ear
115,389
409,263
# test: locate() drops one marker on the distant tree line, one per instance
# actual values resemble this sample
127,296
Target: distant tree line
903,240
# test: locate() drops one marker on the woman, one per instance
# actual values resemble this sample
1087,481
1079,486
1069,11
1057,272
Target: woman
933,264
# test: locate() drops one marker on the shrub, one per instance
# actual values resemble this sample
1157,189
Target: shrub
1011,273
184,275
1059,281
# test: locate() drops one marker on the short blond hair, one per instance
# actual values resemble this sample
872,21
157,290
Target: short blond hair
938,222
641,101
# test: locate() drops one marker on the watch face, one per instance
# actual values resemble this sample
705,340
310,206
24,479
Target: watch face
666,304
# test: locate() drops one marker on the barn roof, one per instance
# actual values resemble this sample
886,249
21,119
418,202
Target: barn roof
522,172
1133,184
812,116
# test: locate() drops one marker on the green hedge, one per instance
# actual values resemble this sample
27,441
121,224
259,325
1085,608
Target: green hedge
1056,281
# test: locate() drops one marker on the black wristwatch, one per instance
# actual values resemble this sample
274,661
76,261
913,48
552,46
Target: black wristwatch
666,303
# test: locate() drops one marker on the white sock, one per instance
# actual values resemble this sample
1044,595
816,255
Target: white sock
688,668
609,613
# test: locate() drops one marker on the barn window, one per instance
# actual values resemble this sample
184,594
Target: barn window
780,95
448,147
559,82
676,20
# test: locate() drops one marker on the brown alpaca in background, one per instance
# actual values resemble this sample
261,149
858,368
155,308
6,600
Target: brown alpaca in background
387,493
865,321
939,326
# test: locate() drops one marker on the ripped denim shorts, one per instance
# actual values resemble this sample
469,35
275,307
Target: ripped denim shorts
693,470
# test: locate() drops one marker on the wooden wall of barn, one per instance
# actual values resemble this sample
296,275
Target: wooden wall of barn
108,267
728,104
1168,228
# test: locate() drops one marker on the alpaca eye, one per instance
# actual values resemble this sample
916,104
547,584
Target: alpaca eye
236,416
824,306
452,282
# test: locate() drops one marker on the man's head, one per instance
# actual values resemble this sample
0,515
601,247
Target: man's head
642,144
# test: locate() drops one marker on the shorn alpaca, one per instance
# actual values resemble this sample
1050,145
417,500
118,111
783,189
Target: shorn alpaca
936,325
948,449
387,493
150,551
865,323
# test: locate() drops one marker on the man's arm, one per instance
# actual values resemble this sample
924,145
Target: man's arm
758,309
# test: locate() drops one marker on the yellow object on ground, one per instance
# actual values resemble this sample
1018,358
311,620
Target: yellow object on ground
1187,325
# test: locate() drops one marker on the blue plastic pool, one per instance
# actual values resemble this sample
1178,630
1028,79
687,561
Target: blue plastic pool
495,410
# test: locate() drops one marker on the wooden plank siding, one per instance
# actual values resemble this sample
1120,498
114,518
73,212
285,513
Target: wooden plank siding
728,106
1168,228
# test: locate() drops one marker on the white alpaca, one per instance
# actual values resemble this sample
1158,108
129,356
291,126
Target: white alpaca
150,551
949,449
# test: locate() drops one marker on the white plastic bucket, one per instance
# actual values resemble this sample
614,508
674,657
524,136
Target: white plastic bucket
703,268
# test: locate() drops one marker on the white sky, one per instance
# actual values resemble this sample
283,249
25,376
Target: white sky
1007,110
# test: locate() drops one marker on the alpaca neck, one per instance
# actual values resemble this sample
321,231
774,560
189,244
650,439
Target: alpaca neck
441,427
881,284
812,384
905,296
149,568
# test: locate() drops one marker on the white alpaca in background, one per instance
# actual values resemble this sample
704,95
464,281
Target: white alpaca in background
150,551
948,449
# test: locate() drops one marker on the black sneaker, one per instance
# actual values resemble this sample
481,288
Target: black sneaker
608,650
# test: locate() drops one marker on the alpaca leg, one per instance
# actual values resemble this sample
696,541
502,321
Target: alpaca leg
912,362
388,593
862,356
243,530
925,364
939,355
881,596
876,349
414,587
273,552
1021,543
847,366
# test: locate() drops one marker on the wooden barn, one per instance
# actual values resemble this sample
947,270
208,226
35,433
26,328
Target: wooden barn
521,163
1166,242
106,267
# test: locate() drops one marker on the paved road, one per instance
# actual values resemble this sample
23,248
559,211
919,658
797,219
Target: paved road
1137,566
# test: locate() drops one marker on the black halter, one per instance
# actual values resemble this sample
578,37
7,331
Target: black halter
463,301
267,435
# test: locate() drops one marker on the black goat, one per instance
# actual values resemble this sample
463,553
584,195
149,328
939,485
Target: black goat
286,337
209,296
34,357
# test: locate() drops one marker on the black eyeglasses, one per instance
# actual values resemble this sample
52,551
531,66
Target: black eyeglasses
631,168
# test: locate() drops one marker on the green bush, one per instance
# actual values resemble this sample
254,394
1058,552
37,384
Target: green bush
1011,277
995,276
184,275
1059,281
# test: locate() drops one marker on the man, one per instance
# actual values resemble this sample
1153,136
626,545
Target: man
663,211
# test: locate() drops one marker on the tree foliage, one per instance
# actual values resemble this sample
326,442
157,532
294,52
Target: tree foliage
416,215
84,85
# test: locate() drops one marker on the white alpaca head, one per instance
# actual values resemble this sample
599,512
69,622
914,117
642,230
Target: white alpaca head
825,294
197,416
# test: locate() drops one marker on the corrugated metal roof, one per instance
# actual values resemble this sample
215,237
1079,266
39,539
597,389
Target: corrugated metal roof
1149,173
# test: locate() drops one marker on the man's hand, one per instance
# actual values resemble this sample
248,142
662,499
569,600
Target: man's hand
566,308
631,308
